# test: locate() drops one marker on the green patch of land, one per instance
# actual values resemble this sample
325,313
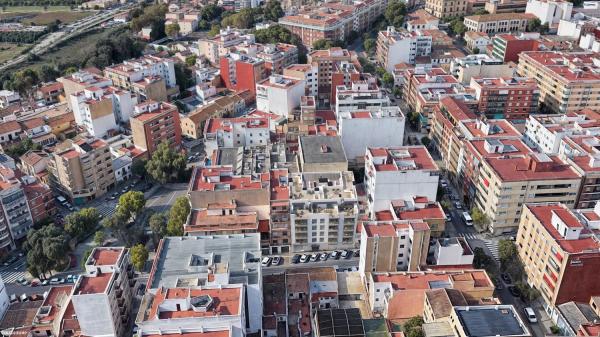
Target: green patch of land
42,18
10,50
32,9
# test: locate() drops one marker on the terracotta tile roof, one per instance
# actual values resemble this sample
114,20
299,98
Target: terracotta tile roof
12,126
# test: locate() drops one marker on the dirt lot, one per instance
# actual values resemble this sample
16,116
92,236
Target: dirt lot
10,50
38,16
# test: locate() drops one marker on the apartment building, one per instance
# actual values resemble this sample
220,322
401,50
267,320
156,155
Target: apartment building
398,173
241,72
568,82
507,47
79,81
39,199
94,111
153,123
280,231
332,20
388,121
421,20
559,251
498,23
487,320
477,42
279,94
221,44
82,170
8,98
16,217
307,73
278,56
446,8
545,132
187,20
400,296
549,11
242,132
321,153
323,210
418,209
389,246
511,98
192,124
506,183
326,62
394,47
150,76
452,252
480,65
581,152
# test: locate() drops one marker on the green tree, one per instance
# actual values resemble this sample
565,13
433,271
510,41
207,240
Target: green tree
534,25
369,45
139,256
480,259
47,250
480,219
414,327
48,73
510,260
273,10
476,50
118,225
158,225
211,12
85,256
425,141
138,167
166,165
99,238
178,216
394,13
16,150
172,30
244,19
190,60
388,80
184,76
326,44
481,11
131,205
214,30
82,223
458,27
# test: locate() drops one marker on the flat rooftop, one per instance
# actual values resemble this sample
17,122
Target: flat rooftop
402,158
484,321
93,284
105,256
322,149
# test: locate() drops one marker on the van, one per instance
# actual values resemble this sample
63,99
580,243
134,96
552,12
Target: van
13,298
467,218
530,314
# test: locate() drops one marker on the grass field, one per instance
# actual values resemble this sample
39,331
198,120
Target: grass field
33,9
10,50
42,18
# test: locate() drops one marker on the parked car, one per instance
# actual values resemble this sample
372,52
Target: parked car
45,282
34,283
344,254
296,258
514,291
314,257
356,253
56,280
276,260
530,314
266,261
457,205
304,258
335,255
498,284
324,257
506,278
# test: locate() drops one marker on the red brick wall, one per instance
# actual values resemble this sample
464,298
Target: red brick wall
579,282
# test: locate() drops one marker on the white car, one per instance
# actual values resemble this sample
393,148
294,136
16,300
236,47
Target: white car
276,261
530,314
457,205
266,261
304,258
344,254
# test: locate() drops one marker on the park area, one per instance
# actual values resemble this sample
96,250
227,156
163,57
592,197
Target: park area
40,15
9,51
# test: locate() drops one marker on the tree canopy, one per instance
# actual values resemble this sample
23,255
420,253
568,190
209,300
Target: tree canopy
158,225
139,255
394,13
166,165
178,216
82,223
273,10
244,19
47,250
131,205
326,44
172,29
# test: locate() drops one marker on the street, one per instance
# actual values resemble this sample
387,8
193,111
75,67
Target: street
341,264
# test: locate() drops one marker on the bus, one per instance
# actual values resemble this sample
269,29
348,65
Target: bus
467,218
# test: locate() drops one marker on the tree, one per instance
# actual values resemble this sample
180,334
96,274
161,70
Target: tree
369,45
481,11
184,76
458,27
47,250
211,12
425,141
273,10
190,60
178,216
326,44
509,259
138,167
534,25
139,256
480,259
47,73
414,327
214,30
118,226
131,205
476,50
166,165
81,223
244,19
99,238
388,80
158,225
480,219
394,13
446,204
16,150
172,30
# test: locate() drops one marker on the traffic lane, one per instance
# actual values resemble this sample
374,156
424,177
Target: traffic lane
18,289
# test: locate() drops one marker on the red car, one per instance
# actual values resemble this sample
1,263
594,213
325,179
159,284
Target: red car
35,283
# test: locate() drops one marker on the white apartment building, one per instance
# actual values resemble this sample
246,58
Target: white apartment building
131,71
16,219
545,132
94,111
309,73
452,252
4,300
399,173
590,42
323,210
217,46
8,98
279,94
479,65
102,296
353,129
395,47
235,132
550,11
360,95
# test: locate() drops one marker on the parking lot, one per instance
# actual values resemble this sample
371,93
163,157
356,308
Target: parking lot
311,259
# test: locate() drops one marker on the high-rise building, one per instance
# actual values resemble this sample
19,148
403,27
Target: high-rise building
394,47
512,98
154,123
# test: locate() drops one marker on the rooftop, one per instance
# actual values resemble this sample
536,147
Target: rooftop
223,178
106,256
500,17
567,66
490,320
201,302
403,158
319,149
531,167
93,284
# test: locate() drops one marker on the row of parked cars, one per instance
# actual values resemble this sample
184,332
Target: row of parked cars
314,257
53,281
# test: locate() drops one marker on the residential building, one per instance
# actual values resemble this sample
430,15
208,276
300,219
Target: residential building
398,173
326,61
9,132
323,210
280,231
581,153
50,93
477,42
4,301
8,98
307,73
480,65
487,321
389,246
242,72
421,20
241,132
149,76
332,20
570,316
16,218
507,47
559,252
279,94
452,252
207,263
278,56
388,121
34,162
508,182
81,80
187,20
511,98
498,23
192,124
395,47
568,82
550,11
400,296
416,208
221,44
39,199
82,170
446,8
319,153
94,111
153,123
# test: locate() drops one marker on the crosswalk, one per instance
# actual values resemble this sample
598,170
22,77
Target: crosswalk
469,236
11,276
492,246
